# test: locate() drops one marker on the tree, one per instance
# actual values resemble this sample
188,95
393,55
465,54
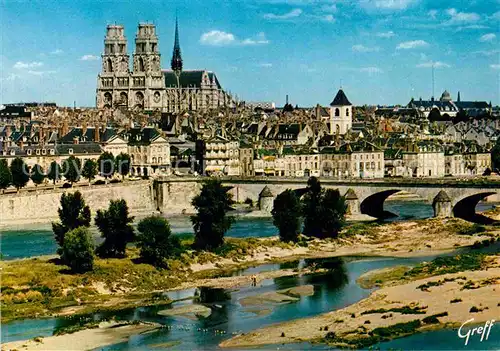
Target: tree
286,215
311,205
116,229
5,175
106,164
37,174
495,156
211,222
20,174
123,163
89,170
155,241
72,214
72,167
54,172
78,250
332,211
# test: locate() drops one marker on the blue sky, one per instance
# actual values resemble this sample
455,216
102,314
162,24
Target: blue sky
380,51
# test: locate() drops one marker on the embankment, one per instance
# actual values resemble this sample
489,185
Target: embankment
41,206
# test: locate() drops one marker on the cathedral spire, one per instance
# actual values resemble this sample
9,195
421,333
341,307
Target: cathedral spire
176,62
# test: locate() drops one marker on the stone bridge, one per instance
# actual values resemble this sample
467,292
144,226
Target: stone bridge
448,197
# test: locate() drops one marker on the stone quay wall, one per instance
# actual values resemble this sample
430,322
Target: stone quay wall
41,206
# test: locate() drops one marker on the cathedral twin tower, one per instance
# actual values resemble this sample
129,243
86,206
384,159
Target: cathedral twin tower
147,86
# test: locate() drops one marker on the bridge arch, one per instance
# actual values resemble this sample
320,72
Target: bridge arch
373,205
466,208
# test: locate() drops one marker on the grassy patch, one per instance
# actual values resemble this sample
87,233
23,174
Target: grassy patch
379,277
448,264
365,229
434,318
402,310
376,336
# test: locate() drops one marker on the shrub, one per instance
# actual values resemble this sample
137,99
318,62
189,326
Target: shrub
116,229
286,215
474,309
155,242
73,213
211,222
78,250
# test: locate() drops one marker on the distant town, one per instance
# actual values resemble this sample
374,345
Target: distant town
177,122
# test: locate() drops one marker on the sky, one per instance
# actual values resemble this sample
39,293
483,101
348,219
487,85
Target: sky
378,51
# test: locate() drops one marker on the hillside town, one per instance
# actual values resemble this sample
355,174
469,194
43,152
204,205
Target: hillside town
195,127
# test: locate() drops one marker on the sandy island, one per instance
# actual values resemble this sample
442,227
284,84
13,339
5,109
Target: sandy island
108,333
453,296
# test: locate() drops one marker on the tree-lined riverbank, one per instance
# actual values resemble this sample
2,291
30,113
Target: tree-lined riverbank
40,287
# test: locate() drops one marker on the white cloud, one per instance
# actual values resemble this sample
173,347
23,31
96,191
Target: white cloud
221,38
89,58
57,52
217,38
433,13
472,26
40,73
362,48
388,34
260,39
371,70
461,17
265,65
412,44
486,52
387,4
292,14
495,66
435,64
488,37
27,65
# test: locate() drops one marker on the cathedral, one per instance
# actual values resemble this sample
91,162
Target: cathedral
148,87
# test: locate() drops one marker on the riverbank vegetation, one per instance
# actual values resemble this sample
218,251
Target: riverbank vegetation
322,212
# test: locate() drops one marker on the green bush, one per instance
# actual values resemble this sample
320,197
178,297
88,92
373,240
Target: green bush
155,242
78,250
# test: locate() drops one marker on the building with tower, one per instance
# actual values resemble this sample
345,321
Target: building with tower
147,86
340,114
449,108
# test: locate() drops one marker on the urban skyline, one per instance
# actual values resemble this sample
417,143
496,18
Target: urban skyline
381,53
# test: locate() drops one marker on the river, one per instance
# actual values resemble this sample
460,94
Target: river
21,242
333,290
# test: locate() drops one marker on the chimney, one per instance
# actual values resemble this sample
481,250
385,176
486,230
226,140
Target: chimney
97,138
64,128
84,128
75,140
21,144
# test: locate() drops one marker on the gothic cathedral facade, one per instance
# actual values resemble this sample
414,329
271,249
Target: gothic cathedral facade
148,87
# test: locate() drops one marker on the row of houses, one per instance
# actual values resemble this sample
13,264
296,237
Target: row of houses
359,159
148,149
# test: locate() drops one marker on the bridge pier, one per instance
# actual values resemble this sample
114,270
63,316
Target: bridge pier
352,202
266,200
442,205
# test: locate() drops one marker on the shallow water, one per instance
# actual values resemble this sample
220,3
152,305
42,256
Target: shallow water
23,242
332,290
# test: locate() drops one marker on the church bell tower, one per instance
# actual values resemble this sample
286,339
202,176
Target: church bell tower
147,77
115,69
